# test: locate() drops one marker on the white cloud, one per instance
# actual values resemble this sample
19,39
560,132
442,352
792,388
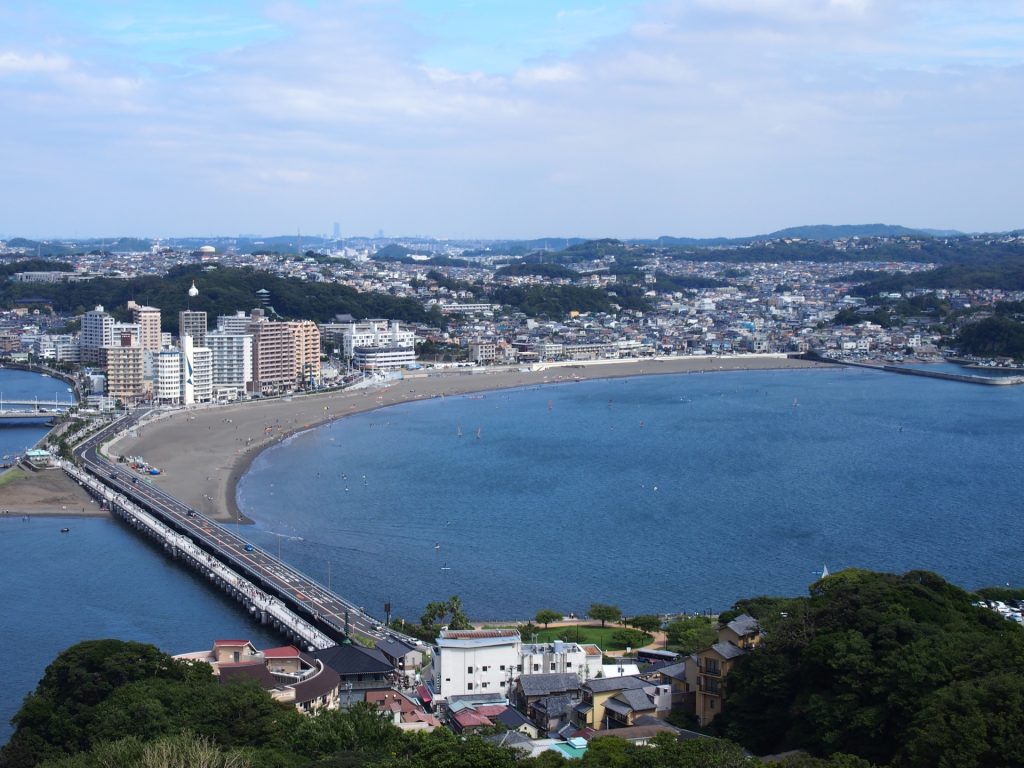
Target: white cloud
702,118
32,63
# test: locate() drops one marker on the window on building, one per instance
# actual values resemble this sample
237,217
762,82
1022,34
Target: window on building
469,670
568,665
536,667
484,669
552,666
484,685
519,667
502,667
469,686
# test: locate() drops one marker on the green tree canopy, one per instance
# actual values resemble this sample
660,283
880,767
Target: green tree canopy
893,669
545,616
603,612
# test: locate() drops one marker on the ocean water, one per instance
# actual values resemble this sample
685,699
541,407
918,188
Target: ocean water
99,580
661,493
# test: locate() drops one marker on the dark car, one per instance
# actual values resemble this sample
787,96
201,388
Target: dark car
191,513
249,548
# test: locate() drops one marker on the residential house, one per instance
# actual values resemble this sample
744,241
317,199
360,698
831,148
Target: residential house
736,639
618,701
359,670
289,675
532,688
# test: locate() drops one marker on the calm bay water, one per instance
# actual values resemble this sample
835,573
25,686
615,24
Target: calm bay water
100,580
656,493
653,493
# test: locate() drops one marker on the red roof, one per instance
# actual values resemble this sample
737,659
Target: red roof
468,718
490,710
472,634
284,652
424,693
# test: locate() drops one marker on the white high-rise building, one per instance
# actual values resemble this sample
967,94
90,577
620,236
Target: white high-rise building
232,359
196,373
236,323
97,332
168,376
202,374
476,661
384,334
188,385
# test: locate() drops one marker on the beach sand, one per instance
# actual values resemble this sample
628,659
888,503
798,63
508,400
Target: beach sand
47,492
203,452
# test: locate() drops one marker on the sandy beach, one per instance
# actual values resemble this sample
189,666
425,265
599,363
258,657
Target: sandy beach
203,452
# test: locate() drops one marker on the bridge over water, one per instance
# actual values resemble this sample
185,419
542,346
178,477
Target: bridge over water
325,612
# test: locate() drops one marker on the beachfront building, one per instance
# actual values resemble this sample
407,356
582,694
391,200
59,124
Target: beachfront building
232,363
286,354
479,661
383,358
97,332
483,351
307,352
192,323
202,374
381,334
273,356
148,321
167,387
122,364
196,373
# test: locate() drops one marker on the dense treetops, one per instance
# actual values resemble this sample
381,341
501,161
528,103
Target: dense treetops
996,336
870,669
111,704
222,291
899,670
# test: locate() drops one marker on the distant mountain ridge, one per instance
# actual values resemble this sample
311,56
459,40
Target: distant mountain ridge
818,232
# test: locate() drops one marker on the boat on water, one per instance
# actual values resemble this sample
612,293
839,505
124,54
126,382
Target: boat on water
65,530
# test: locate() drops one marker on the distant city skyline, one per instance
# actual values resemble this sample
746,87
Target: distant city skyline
476,119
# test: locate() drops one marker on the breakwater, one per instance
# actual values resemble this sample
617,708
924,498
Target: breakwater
991,381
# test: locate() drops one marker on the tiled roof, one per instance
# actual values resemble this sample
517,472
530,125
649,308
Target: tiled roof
602,684
348,659
744,625
474,634
284,652
549,683
728,650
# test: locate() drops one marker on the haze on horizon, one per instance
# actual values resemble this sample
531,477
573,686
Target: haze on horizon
489,119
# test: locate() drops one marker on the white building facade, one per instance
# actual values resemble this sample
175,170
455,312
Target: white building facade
96,333
232,359
468,662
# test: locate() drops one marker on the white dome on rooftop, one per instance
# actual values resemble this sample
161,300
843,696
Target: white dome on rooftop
207,249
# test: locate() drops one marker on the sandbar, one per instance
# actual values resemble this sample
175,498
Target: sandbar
203,452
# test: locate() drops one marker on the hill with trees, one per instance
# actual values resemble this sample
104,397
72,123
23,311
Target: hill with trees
996,336
899,670
222,291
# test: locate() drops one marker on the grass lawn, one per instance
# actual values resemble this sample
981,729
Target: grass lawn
596,635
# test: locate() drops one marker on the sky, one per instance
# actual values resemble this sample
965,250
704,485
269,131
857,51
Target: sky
508,118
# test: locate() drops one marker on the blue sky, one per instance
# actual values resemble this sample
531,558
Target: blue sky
493,118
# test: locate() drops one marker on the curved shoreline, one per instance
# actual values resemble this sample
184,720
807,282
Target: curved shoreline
205,452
